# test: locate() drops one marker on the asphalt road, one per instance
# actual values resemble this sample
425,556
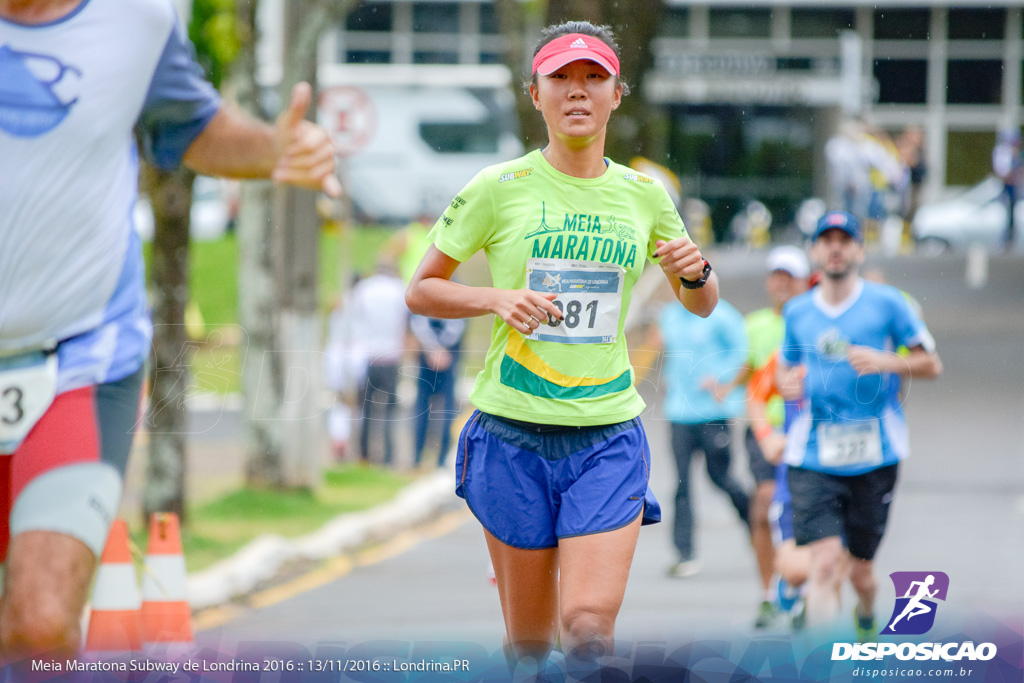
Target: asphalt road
959,508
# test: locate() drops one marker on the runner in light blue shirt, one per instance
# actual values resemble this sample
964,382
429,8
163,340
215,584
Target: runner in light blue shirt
702,359
840,355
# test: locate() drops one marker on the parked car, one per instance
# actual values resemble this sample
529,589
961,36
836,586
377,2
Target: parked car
978,216
214,209
411,136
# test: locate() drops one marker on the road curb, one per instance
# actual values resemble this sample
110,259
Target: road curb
264,557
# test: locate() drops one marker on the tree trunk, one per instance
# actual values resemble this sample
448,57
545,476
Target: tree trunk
514,22
636,126
170,194
257,305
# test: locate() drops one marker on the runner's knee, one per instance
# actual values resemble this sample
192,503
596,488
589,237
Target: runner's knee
587,632
828,567
34,624
760,503
862,577
792,564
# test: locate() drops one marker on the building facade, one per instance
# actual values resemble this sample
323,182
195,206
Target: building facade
752,90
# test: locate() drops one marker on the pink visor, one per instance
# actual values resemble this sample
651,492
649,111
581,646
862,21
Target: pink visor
561,51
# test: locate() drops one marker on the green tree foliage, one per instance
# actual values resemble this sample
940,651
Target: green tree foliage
217,35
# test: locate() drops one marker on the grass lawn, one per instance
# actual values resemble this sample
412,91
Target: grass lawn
218,528
214,276
213,309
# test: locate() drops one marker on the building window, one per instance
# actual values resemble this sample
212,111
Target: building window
370,16
489,22
461,138
974,81
674,22
740,23
902,24
795,63
435,17
820,23
902,81
425,57
368,57
977,24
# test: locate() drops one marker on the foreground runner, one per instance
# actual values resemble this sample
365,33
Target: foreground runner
78,75
555,463
844,447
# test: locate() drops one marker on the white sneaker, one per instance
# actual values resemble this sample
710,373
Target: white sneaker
684,569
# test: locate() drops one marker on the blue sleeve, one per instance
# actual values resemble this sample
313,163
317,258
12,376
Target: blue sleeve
736,343
789,351
179,103
663,320
907,327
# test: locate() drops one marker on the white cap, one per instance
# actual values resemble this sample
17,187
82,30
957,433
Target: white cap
790,259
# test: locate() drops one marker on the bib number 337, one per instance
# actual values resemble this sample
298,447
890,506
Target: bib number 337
842,445
589,296
28,384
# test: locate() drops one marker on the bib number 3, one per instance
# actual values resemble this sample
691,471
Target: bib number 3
589,296
28,384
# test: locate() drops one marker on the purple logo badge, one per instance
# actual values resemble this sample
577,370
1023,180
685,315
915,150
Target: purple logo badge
916,593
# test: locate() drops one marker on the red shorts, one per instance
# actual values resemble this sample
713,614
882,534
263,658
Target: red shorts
67,474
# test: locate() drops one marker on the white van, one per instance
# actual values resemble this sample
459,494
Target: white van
411,136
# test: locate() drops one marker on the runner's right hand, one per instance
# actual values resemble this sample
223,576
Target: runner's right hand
790,382
772,447
524,309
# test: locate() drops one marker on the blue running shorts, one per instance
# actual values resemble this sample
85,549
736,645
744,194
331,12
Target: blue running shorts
530,485
780,519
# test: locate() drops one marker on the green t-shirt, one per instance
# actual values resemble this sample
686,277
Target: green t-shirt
586,239
765,330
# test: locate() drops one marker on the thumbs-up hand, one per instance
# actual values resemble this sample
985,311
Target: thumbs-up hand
305,153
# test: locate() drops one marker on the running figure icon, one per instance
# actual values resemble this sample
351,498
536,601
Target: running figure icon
916,606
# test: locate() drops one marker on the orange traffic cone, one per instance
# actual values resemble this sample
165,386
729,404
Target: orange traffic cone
166,615
114,620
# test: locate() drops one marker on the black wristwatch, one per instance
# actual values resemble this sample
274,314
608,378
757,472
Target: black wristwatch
703,280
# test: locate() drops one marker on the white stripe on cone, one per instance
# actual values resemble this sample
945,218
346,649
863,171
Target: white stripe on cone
165,579
115,588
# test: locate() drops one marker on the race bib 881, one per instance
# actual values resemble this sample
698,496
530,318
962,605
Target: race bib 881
589,296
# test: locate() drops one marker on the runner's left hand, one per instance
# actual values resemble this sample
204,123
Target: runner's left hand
305,153
868,361
681,258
